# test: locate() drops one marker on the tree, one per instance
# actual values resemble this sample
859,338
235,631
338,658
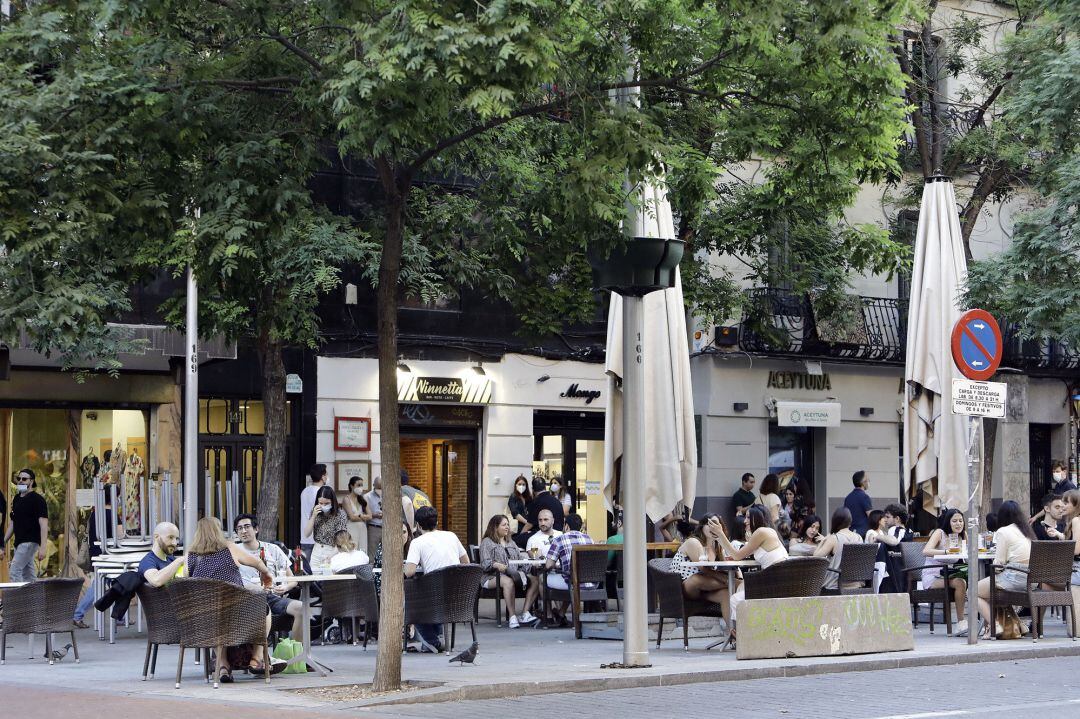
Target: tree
515,97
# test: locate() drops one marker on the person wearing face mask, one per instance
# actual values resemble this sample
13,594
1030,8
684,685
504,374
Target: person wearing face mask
1062,483
326,520
356,507
562,494
518,504
30,527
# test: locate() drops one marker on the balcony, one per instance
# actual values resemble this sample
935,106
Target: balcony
866,329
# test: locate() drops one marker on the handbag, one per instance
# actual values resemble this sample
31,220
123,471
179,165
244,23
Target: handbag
287,649
1009,621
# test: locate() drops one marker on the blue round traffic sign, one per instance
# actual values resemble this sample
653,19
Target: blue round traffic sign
976,345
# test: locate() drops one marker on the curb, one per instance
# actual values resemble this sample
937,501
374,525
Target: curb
857,663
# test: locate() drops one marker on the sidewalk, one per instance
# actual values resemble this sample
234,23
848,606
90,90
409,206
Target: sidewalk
510,663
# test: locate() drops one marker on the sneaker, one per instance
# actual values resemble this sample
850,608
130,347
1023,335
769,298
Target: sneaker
80,624
527,618
961,628
514,624
426,648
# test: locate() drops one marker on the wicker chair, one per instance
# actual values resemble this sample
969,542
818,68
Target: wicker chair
161,624
214,613
793,577
493,593
914,563
587,566
1049,563
352,600
673,604
856,565
447,596
42,607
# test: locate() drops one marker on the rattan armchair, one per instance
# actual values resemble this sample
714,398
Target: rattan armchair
1050,563
856,565
485,593
672,603
41,607
914,564
792,577
446,596
213,613
161,624
587,566
352,600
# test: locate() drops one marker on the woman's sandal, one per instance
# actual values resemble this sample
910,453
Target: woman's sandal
225,675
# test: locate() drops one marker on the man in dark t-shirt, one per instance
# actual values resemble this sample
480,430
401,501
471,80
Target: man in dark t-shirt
744,497
30,527
1048,527
543,499
858,503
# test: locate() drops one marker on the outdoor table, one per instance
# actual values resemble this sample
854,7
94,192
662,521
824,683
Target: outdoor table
731,566
305,581
540,564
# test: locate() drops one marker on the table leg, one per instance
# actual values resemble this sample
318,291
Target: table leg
305,634
725,641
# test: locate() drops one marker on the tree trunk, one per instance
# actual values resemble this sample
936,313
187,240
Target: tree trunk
274,407
392,604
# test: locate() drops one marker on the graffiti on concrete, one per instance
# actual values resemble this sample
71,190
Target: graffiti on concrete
819,624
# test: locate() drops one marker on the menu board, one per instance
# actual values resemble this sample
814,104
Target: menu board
352,433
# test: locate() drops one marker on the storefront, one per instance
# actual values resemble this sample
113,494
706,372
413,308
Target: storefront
467,430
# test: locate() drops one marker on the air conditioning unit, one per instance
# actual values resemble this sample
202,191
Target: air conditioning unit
726,336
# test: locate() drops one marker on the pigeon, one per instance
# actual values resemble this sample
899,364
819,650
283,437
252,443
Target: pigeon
467,656
59,654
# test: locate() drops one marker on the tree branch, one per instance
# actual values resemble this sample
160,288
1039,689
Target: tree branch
918,122
989,180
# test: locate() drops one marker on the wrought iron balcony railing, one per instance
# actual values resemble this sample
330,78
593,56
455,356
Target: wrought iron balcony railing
871,329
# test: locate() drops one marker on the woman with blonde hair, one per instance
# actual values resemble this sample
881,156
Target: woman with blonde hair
212,556
348,556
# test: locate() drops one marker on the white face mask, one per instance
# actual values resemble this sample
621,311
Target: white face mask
22,487
359,491
1059,476
521,489
325,508
555,486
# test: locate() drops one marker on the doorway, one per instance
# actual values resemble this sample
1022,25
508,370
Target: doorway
445,469
1039,456
791,455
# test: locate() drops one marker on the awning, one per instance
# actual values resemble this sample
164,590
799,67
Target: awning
808,414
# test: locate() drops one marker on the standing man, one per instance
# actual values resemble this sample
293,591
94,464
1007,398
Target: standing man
317,473
543,499
433,550
743,499
858,503
1062,483
30,526
374,525
412,499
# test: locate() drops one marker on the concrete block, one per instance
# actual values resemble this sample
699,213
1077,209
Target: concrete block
823,626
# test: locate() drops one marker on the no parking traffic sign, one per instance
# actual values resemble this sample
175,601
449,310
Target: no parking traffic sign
976,345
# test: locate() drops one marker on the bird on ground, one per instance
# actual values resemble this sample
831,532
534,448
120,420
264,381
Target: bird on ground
59,654
467,656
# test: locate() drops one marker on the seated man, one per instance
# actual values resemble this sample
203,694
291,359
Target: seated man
1047,528
159,566
246,527
434,549
558,557
537,547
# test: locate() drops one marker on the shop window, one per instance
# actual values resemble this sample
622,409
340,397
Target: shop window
791,454
38,440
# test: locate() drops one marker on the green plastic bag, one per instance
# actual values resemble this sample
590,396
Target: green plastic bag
287,649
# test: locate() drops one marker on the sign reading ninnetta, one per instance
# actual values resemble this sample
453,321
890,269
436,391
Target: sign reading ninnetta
470,390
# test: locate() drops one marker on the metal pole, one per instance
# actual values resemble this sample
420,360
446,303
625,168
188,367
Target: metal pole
975,469
191,410
635,620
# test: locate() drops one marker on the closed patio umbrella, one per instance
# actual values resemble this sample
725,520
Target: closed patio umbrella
935,439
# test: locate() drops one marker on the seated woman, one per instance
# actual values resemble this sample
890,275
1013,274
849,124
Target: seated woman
497,550
212,556
839,534
763,544
348,556
406,537
950,531
807,543
1012,543
702,544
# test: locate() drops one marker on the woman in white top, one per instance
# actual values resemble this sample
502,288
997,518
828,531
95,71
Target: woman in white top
950,531
561,492
809,539
833,547
348,556
702,544
1012,544
763,544
770,496
356,507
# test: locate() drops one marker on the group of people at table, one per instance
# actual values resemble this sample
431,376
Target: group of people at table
708,539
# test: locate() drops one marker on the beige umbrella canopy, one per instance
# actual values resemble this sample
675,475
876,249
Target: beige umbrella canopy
935,440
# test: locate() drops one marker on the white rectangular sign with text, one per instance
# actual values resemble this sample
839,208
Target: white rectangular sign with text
979,399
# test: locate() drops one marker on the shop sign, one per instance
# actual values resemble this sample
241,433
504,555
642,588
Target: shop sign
294,384
808,414
574,392
436,415
470,390
798,380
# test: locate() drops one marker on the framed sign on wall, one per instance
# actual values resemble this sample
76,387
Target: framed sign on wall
352,434
347,470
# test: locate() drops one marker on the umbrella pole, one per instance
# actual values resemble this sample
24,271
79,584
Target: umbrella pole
635,623
975,469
